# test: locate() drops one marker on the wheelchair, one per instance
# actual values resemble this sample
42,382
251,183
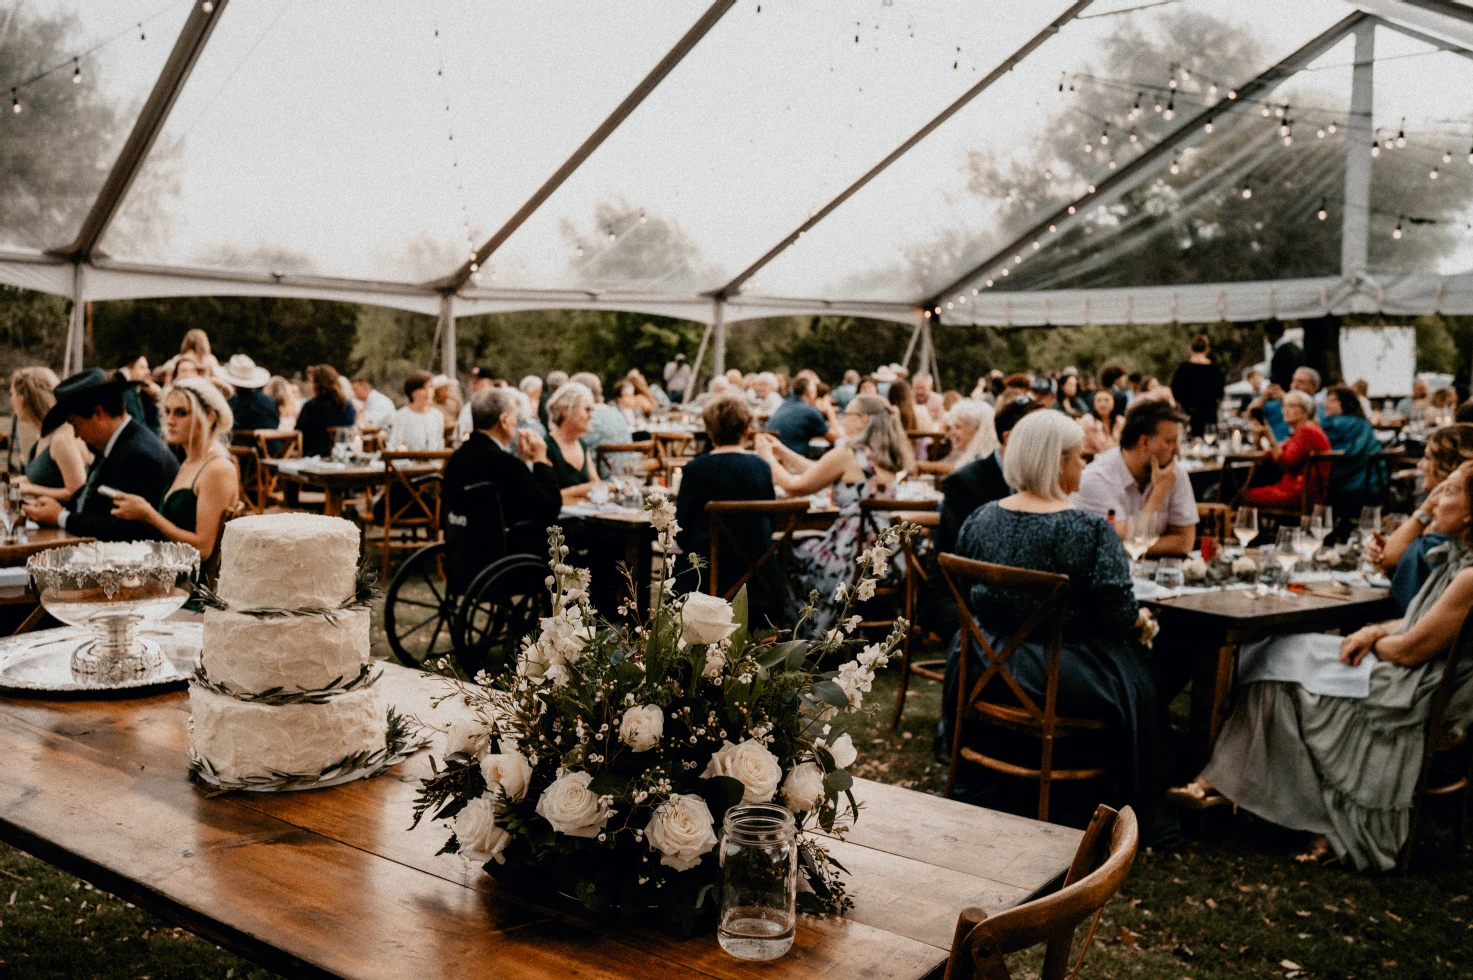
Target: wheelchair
472,597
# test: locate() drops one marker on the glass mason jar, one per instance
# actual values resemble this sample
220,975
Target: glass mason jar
759,881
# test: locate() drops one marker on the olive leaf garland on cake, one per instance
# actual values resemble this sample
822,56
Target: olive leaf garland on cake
602,763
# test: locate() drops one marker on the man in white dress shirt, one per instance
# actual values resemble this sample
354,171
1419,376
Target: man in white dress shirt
373,407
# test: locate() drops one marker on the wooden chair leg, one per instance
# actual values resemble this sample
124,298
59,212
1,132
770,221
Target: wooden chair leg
904,681
956,723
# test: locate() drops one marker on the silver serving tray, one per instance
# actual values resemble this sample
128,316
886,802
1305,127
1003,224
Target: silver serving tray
41,662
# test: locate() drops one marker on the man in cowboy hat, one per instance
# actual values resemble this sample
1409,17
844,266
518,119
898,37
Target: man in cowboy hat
251,406
128,459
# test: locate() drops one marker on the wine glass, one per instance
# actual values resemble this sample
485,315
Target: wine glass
1308,543
1245,526
1140,534
1209,434
1321,522
10,510
1369,526
1286,553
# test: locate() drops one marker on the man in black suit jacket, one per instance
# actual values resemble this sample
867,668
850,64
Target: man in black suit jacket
127,457
514,461
1288,356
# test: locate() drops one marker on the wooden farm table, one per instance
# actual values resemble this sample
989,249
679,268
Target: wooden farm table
329,883
13,555
1210,627
338,485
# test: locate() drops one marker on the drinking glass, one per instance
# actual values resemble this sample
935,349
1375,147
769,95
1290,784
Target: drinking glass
1369,525
1286,553
1245,526
1321,522
1169,574
1140,535
1209,434
1307,543
10,511
759,882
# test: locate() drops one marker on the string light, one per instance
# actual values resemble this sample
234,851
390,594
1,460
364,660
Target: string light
1288,131
1331,128
1281,110
1176,164
1111,163
1401,135
1212,90
1048,175
15,108
1433,174
1320,133
1170,112
989,283
1247,190
1133,136
1105,135
1266,111
1375,149
1071,207
1396,232
208,6
1323,212
1232,93
1447,156
1052,229
76,71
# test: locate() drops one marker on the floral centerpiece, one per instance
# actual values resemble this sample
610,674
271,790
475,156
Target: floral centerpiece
602,763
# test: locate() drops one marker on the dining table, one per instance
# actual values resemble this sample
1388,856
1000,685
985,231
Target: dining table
338,482
19,603
333,882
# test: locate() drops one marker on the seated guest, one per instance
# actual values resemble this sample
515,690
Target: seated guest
1144,476
1403,554
569,415
284,395
141,399
1103,424
874,450
607,425
1307,380
846,391
799,420
765,397
327,409
1104,671
1413,405
194,347
129,459
1071,398
418,426
1338,756
649,400
481,379
371,407
923,390
869,385
971,429
251,407
555,380
531,390
515,462
717,388
727,472
205,490
445,396
1359,477
626,400
1305,437
57,464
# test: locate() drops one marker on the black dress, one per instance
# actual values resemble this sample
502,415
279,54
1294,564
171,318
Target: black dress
317,416
1104,672
1198,390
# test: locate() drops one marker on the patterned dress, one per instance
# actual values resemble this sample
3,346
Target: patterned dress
823,563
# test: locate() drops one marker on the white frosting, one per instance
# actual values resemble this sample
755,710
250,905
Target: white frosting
288,561
241,739
305,653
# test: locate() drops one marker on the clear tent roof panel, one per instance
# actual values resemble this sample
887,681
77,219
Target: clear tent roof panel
287,153
979,180
80,72
780,107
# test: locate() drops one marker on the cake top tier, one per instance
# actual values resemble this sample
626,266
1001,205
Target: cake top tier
288,561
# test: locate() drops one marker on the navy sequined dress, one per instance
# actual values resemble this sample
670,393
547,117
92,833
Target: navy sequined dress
1104,672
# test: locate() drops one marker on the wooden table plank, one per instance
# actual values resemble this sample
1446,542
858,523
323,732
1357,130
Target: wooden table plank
329,883
41,539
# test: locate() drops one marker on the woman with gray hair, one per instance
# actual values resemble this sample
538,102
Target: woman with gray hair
1104,671
1293,455
969,426
569,414
872,455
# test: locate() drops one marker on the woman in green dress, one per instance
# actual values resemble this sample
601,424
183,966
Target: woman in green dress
570,415
57,464
207,487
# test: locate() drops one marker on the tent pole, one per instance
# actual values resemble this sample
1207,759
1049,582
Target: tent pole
1355,233
447,335
695,368
923,363
910,348
76,325
718,353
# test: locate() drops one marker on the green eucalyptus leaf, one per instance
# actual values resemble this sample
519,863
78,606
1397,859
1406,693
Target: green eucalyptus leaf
830,693
836,782
721,793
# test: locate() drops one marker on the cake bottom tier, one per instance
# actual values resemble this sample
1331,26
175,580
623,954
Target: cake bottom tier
241,740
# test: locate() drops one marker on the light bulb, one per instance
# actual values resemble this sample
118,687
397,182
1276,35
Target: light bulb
1212,90
1112,163
1133,136
1052,229
1048,175
975,290
1396,233
1105,138
612,236
1071,207
1447,157
1176,166
1169,114
989,284
1247,192
1322,214
1332,127
76,72
1207,127
1390,143
1170,108
1280,110
476,278
1171,84
208,6
1091,190
1288,140
1401,142
1320,133
1004,270
1232,93
949,305
1375,149
1265,112
1017,260
1157,106
1433,174
1284,129
15,107
475,267
1089,148
1036,246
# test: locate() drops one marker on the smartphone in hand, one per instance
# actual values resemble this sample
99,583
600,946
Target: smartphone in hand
109,492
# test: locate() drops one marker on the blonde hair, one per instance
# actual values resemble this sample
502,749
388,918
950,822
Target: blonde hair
1039,442
204,397
567,398
196,341
33,386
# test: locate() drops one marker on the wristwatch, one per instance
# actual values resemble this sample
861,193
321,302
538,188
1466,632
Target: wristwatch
1422,517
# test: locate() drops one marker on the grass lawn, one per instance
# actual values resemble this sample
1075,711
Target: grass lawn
1231,903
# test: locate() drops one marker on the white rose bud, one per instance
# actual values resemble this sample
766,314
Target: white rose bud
509,770
466,735
706,619
642,727
681,830
475,828
803,789
571,808
750,764
843,751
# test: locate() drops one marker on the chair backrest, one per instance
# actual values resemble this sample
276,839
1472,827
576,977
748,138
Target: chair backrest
1100,866
870,509
248,471
732,543
602,453
276,443
474,529
412,492
1317,479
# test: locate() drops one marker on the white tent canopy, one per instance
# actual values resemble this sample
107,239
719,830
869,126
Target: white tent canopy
726,160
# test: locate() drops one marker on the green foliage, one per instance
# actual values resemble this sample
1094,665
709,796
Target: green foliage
32,328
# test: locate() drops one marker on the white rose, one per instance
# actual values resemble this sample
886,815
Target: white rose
571,809
466,735
706,619
681,830
642,727
750,764
475,828
803,789
510,770
843,751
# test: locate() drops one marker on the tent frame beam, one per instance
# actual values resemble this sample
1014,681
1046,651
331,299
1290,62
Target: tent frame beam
1133,174
188,47
986,82
622,111
1355,234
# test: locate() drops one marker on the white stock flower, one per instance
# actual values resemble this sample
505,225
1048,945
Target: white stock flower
803,789
509,770
571,808
662,513
856,682
842,750
475,828
642,726
851,624
706,619
840,592
681,830
866,590
872,656
751,765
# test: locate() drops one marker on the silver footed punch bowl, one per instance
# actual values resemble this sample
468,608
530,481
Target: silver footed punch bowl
112,589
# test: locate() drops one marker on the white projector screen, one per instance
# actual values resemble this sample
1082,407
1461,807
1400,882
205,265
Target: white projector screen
1385,356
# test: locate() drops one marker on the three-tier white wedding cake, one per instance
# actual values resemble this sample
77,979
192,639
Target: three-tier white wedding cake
284,694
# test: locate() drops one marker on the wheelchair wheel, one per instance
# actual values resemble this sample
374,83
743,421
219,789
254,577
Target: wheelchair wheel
501,606
419,608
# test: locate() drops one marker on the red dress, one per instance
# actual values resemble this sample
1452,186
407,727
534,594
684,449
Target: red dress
1288,493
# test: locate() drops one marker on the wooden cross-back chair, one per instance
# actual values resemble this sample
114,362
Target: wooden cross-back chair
410,502
248,467
268,444
669,447
1025,716
733,545
1100,866
645,449
875,512
1447,759
916,576
1315,491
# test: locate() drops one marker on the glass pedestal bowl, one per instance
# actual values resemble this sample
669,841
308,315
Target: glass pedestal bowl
111,589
